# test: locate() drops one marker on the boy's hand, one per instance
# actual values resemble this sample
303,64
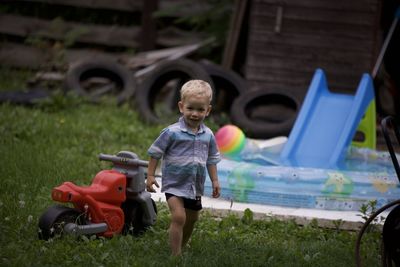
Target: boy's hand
216,189
149,183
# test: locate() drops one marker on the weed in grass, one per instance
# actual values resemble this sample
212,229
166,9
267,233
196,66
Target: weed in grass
366,211
12,79
60,100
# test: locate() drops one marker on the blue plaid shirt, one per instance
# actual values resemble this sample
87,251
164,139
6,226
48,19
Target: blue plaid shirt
185,156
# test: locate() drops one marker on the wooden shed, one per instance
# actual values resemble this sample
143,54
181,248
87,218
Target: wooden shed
287,40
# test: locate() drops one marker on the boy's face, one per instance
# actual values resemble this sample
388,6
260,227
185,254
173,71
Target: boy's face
195,108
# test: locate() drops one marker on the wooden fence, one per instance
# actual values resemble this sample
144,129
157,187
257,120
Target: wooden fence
19,30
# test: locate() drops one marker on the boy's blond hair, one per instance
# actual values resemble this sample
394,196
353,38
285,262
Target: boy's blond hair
196,87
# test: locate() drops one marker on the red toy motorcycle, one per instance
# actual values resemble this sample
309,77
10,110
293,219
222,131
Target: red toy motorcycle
116,202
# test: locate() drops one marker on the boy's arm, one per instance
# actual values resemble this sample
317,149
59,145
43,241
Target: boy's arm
212,172
151,169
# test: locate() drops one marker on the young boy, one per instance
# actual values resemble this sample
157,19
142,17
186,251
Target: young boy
187,148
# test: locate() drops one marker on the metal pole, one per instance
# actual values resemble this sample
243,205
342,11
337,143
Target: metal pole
386,43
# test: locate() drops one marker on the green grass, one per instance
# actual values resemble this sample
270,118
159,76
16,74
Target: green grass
59,141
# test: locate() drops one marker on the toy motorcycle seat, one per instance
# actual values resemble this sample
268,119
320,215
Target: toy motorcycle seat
108,186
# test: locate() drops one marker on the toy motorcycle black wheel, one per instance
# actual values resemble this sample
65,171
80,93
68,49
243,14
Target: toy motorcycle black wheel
53,220
134,217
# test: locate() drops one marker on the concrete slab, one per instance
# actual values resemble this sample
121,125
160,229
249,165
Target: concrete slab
346,220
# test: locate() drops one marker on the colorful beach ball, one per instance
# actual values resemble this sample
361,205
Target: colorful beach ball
230,140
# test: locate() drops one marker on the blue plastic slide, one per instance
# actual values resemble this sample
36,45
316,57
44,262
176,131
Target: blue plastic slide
326,124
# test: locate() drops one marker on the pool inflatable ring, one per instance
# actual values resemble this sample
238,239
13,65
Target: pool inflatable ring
264,114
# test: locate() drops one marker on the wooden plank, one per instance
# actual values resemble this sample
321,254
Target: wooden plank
235,29
292,86
313,34
23,26
24,56
354,42
120,36
294,64
312,41
143,59
175,8
264,24
287,74
298,90
14,56
148,30
299,77
264,51
315,21
121,5
317,15
299,87
172,36
340,5
337,57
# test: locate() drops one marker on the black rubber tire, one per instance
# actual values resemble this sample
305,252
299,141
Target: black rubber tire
52,221
121,80
264,114
391,235
28,98
133,217
228,85
153,90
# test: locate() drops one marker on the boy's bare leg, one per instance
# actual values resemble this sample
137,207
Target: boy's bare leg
178,219
191,217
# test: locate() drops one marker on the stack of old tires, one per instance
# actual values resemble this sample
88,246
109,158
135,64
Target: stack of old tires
260,113
157,96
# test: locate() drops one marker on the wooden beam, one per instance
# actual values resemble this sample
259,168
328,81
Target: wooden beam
24,56
234,33
23,26
185,7
149,29
117,36
121,5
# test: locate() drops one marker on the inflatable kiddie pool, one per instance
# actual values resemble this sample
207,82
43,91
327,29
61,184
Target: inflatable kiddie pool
251,171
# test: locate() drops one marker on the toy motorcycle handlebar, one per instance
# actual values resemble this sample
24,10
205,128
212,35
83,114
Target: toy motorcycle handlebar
123,160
